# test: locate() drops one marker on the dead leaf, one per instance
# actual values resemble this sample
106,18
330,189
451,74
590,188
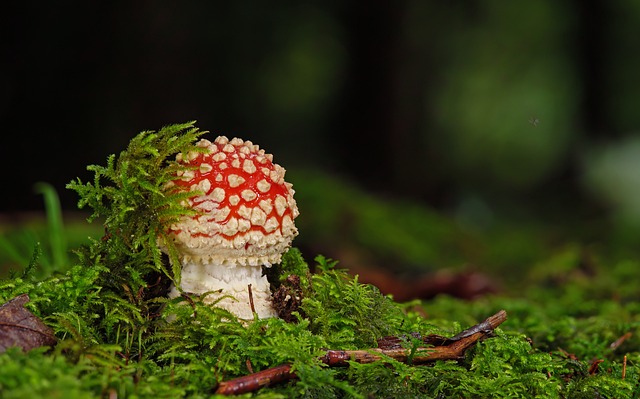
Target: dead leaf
19,327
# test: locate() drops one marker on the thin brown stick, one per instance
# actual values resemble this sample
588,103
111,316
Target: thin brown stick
255,381
249,366
253,308
624,367
595,366
453,349
615,344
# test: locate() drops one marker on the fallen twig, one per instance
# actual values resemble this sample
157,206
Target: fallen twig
595,366
615,344
253,308
447,349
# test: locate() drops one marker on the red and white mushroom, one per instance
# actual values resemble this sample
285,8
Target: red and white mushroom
245,222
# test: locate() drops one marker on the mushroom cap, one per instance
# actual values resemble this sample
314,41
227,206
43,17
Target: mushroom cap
247,209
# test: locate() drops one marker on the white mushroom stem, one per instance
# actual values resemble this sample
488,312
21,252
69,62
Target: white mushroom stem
230,282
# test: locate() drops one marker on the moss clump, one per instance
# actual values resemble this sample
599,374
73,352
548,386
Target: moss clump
129,194
110,314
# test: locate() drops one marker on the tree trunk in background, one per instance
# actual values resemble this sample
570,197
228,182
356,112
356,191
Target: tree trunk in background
364,135
591,65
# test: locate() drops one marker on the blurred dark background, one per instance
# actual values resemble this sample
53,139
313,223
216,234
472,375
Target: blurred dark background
480,109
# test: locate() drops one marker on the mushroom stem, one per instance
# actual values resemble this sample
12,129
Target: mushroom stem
227,286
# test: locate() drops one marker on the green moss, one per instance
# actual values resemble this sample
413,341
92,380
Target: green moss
129,194
119,334
350,314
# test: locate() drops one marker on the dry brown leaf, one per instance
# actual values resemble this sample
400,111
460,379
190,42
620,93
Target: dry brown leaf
19,327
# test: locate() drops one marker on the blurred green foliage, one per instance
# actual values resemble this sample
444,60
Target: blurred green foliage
456,102
506,107
43,238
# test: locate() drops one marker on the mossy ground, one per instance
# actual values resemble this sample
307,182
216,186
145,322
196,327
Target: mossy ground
573,309
112,345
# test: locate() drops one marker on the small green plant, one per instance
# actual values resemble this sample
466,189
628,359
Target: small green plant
129,194
350,314
57,237
50,240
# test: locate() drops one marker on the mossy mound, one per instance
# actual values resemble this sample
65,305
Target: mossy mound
120,336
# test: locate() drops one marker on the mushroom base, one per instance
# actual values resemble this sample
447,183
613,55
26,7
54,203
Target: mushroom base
228,287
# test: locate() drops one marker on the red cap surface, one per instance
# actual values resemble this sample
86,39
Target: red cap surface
247,207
